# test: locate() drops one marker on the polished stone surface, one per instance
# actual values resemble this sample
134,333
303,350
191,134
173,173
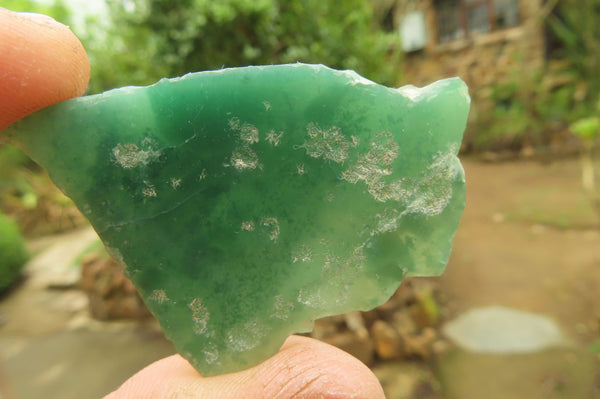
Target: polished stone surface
244,203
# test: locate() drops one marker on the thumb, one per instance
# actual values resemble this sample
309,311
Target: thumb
303,368
41,63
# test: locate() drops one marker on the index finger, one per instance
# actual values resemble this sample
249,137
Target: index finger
41,63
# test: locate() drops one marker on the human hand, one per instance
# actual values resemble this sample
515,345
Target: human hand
42,63
303,368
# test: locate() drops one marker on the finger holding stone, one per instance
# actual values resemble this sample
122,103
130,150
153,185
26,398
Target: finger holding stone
41,63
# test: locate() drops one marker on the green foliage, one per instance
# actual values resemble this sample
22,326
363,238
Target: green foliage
587,128
57,9
15,170
11,160
508,123
527,110
13,254
515,114
150,39
576,25
594,347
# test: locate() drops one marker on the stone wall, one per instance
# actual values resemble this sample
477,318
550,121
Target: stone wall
480,60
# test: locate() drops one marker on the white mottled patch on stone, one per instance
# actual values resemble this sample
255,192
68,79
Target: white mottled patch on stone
246,336
159,296
274,137
434,191
331,261
149,190
429,194
302,254
387,220
347,269
175,183
329,144
248,133
281,308
248,225
234,123
202,175
311,297
211,354
376,164
200,316
130,156
272,225
244,158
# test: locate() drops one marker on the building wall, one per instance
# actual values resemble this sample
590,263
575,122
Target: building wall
481,60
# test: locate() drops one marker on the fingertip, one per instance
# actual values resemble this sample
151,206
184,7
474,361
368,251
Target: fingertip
303,368
172,373
41,63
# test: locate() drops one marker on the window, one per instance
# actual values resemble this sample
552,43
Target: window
458,19
506,13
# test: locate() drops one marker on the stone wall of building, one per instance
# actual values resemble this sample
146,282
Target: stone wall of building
480,60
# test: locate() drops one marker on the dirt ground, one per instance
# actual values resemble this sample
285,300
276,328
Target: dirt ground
529,239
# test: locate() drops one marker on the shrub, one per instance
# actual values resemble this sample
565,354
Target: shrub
13,254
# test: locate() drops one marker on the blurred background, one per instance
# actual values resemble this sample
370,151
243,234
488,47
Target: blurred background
516,314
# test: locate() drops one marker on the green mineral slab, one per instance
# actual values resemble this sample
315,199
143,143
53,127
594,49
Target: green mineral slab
244,203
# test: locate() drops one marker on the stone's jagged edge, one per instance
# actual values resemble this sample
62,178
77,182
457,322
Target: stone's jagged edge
372,187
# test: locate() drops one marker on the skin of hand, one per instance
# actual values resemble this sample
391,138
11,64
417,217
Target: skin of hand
42,63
